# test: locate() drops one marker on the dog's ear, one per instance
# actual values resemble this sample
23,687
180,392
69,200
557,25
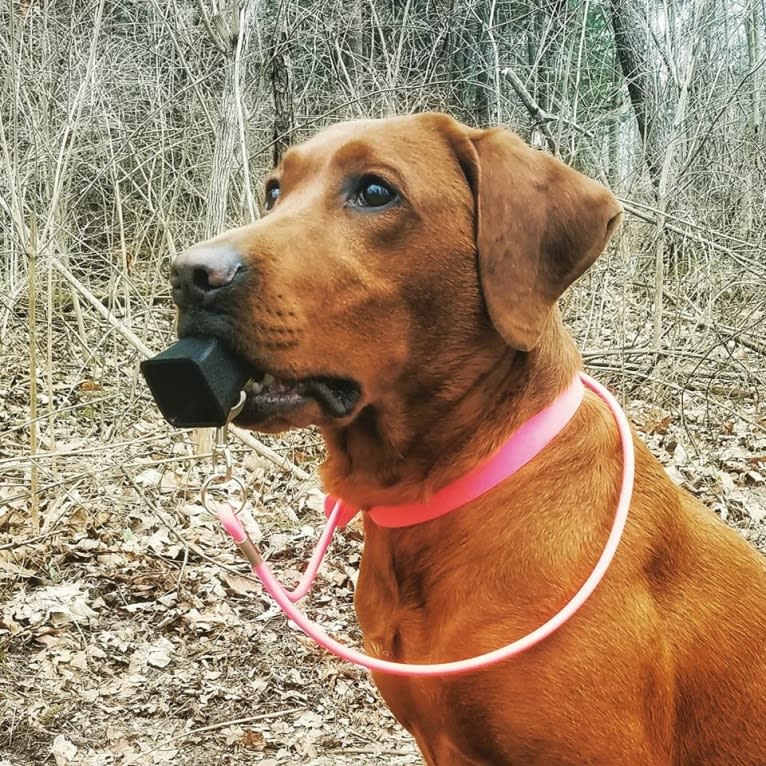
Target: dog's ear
540,225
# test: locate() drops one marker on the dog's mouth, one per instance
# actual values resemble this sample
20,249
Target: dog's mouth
277,401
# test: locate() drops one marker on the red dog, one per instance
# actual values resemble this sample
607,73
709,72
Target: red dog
401,293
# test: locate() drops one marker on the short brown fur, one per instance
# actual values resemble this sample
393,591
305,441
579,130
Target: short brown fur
442,308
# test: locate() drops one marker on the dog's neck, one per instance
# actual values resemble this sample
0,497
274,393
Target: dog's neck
379,460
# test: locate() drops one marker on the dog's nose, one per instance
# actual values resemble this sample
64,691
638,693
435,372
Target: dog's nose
204,273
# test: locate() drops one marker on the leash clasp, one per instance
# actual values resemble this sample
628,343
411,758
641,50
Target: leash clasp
221,454
223,465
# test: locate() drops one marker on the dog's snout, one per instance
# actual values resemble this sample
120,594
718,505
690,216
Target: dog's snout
203,273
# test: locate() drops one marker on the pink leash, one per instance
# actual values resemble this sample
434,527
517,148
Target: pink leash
286,599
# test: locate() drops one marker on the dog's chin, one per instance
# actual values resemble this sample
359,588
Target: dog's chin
274,405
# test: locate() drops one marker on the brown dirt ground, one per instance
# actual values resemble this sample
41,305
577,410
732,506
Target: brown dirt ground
130,632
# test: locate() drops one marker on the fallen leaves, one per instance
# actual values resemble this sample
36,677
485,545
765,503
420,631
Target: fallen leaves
132,634
154,644
51,607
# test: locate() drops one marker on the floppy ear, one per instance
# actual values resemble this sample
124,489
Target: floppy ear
540,225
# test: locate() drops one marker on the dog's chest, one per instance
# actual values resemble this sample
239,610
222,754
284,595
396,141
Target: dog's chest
394,602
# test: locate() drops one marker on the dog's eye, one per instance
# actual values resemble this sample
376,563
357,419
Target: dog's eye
271,196
374,192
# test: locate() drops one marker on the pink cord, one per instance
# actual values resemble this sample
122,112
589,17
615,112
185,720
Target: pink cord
285,599
234,528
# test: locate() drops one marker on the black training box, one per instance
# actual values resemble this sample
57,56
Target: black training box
195,382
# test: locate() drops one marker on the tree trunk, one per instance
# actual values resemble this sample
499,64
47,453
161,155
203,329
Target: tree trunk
281,89
667,176
355,49
482,63
755,169
631,45
614,133
225,33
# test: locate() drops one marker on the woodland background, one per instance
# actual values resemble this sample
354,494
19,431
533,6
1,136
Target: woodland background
129,129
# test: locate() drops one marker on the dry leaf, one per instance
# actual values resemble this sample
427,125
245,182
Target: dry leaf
63,751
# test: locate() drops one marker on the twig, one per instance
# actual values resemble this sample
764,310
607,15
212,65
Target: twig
245,23
369,751
733,333
279,460
738,259
71,130
644,377
14,463
732,94
215,39
535,110
16,544
686,222
160,515
34,506
223,725
49,526
126,333
490,29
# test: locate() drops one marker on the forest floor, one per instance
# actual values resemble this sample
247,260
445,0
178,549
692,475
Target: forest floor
130,631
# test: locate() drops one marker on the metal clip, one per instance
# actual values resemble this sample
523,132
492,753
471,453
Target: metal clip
221,454
223,463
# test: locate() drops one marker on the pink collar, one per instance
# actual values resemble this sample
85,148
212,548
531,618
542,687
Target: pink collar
523,445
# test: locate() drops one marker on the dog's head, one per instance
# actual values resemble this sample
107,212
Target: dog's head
393,260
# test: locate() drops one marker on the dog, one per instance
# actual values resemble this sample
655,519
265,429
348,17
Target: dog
400,293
